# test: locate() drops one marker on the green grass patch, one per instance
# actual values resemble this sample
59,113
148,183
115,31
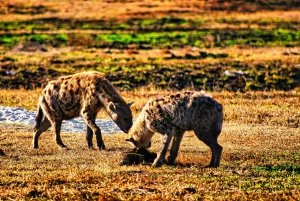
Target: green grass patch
221,37
288,168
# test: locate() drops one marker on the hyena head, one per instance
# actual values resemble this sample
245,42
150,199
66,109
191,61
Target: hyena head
121,114
139,143
140,134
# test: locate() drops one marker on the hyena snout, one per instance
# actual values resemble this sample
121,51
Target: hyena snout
124,123
122,116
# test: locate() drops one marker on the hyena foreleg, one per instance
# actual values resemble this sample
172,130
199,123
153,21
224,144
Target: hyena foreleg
89,134
165,141
90,121
178,134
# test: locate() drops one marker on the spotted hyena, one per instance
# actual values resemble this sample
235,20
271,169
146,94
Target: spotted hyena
82,94
174,114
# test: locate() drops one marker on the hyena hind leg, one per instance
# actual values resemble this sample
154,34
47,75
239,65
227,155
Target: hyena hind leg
39,130
95,130
216,149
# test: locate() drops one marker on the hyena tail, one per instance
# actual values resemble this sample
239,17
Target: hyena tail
39,117
219,123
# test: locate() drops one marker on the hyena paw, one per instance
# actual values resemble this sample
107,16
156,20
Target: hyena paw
64,147
170,161
213,165
102,147
157,163
91,148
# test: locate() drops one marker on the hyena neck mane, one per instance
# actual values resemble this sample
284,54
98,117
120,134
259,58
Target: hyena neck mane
138,127
140,132
107,98
109,94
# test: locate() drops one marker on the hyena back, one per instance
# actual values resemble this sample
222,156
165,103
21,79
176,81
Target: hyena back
81,94
174,114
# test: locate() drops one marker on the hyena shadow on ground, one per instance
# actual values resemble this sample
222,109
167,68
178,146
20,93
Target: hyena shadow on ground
143,156
136,156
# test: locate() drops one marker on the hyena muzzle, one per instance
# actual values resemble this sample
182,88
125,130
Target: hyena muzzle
81,94
174,114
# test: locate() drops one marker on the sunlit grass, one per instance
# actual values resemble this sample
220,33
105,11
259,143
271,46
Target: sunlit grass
142,46
258,162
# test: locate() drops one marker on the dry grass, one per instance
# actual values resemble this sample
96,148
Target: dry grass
260,137
261,158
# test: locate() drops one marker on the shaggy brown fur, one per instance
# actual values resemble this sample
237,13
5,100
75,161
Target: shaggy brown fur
82,94
174,114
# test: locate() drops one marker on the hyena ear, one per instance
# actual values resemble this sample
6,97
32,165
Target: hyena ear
112,106
131,141
129,104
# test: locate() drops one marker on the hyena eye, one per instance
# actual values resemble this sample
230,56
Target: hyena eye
125,119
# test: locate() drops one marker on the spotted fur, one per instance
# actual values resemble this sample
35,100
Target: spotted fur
82,94
174,114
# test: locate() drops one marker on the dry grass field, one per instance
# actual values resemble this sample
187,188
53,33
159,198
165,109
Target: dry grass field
261,158
244,53
258,163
